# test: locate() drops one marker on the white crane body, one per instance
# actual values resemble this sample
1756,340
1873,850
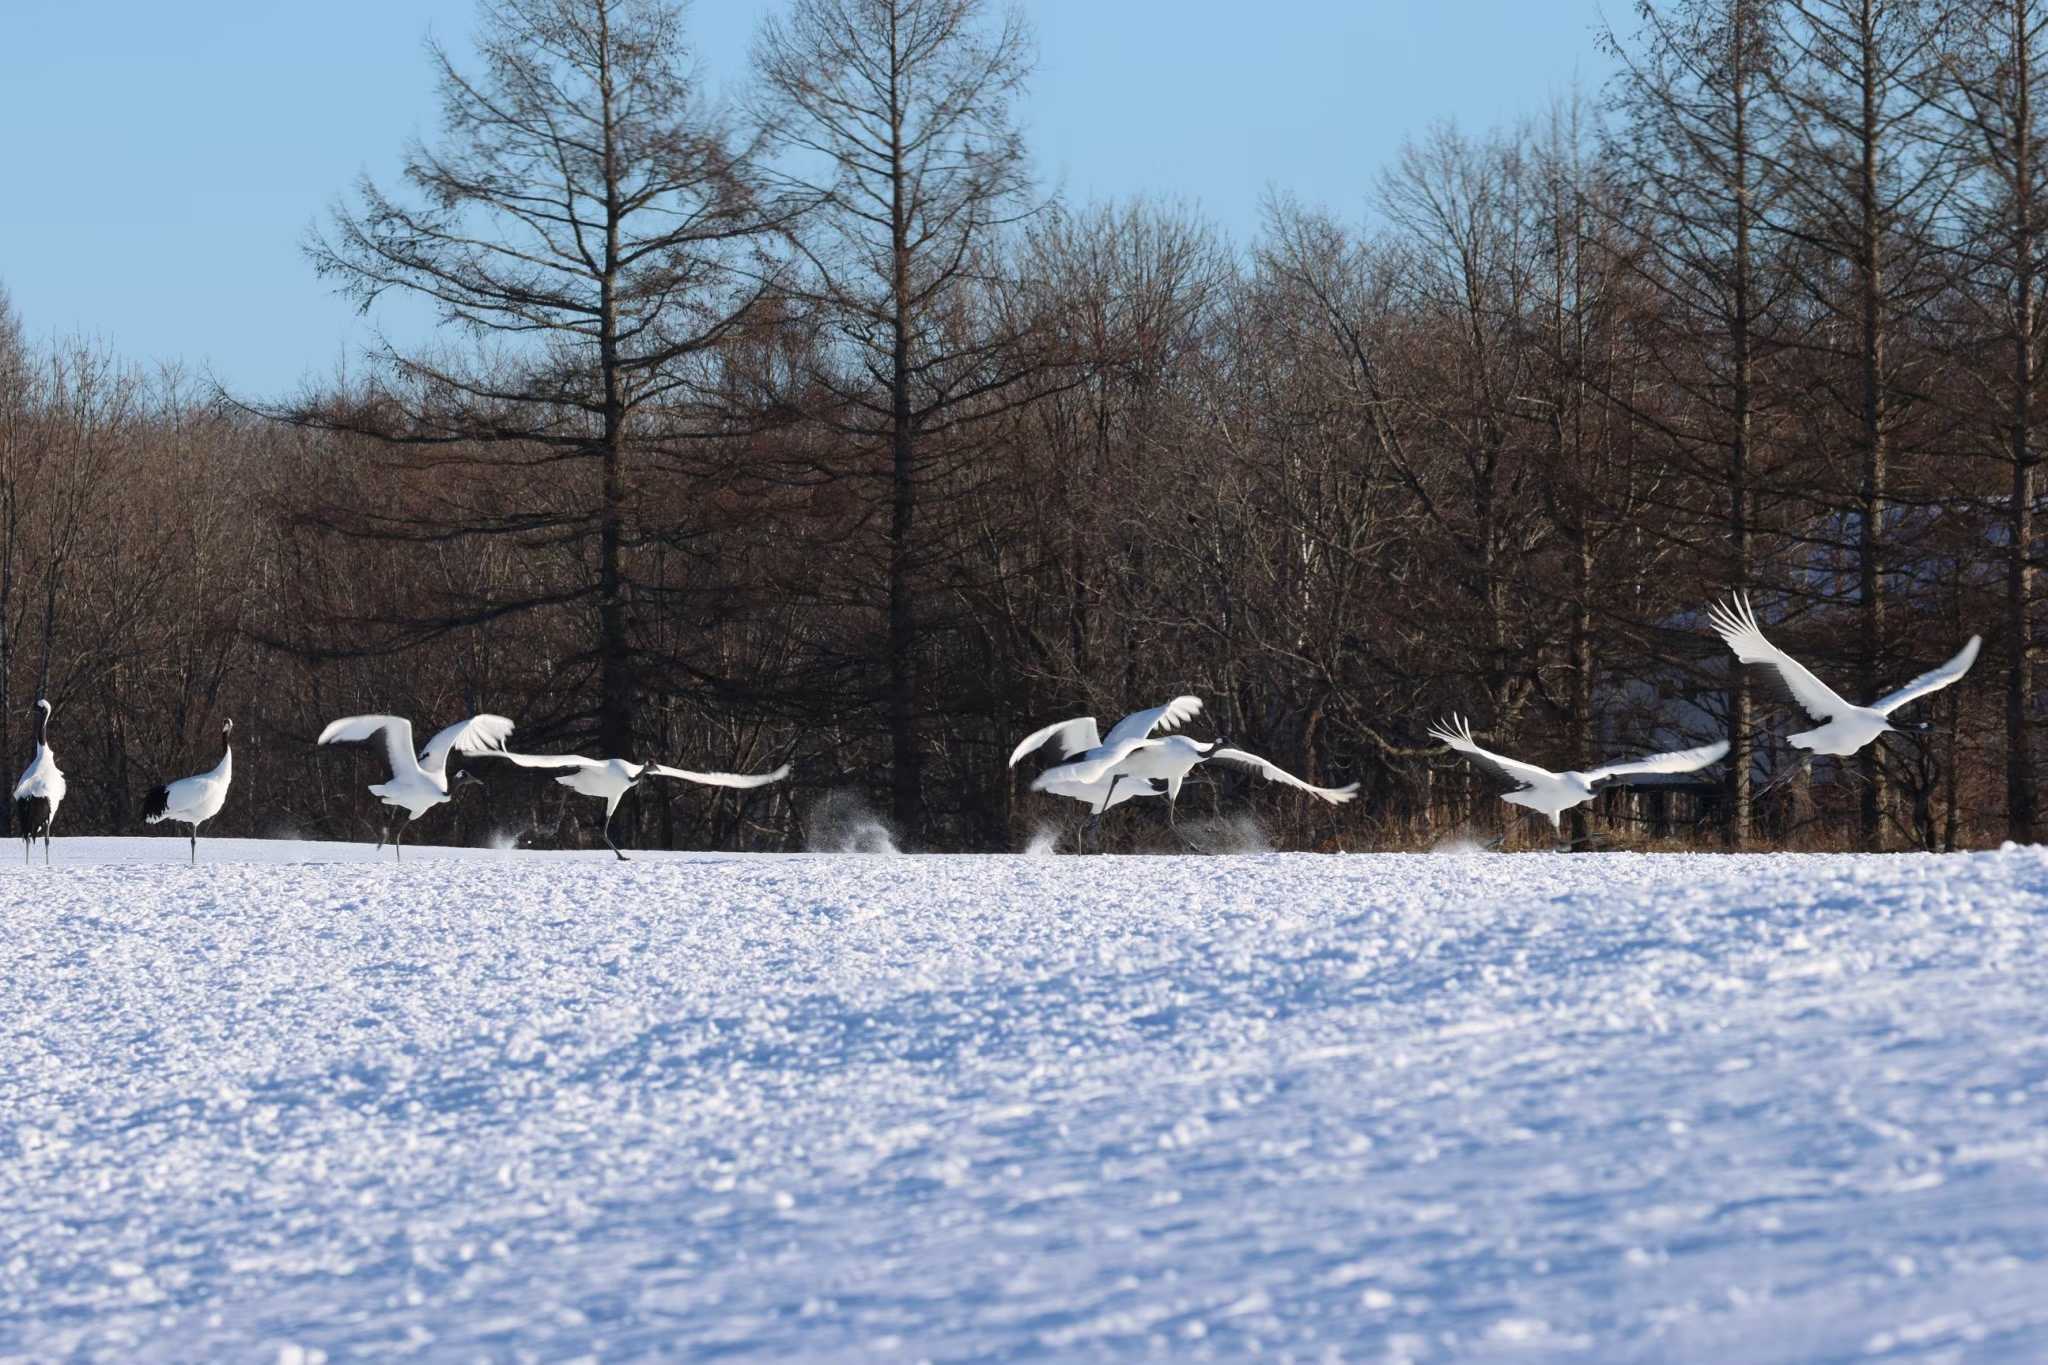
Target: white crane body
1552,794
1133,761
418,783
1840,727
195,800
40,790
609,779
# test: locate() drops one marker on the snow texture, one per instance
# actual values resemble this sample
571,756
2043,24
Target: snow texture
299,1103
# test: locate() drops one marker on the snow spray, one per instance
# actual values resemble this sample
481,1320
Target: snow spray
842,821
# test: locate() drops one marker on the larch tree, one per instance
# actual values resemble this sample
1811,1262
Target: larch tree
1992,84
893,118
598,232
1696,154
1585,324
1863,178
17,402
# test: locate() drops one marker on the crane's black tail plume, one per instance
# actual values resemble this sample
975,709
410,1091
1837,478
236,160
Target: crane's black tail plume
31,817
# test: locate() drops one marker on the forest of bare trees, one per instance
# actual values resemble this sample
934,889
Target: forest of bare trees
810,428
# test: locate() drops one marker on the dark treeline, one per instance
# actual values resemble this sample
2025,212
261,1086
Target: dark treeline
805,429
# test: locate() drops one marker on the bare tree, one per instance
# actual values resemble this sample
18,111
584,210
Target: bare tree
1863,179
1992,84
894,117
591,220
1696,154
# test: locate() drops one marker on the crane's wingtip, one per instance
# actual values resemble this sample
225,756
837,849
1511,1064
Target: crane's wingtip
353,727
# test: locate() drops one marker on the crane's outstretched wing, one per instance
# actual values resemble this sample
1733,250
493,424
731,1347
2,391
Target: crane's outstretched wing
397,732
1086,770
1679,761
1139,724
1336,796
547,763
1076,736
1736,624
1457,732
722,779
1932,681
468,737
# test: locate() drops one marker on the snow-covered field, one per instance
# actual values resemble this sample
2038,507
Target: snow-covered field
514,1106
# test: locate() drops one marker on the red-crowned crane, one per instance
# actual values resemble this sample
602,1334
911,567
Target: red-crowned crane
195,800
1840,728
609,779
1552,794
1132,761
40,790
418,783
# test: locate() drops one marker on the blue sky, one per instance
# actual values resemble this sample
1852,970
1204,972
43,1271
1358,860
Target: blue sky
162,162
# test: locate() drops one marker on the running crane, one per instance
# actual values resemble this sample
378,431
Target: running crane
1133,761
195,800
1079,740
418,783
609,779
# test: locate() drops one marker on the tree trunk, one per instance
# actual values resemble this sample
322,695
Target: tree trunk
904,756
904,765
2021,818
1740,759
615,667
2021,810
1582,736
1871,500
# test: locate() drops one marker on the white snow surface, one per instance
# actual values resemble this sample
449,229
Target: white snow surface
299,1104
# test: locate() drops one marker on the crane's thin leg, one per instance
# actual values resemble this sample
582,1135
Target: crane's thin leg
1095,821
46,843
608,838
398,842
195,845
1174,828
